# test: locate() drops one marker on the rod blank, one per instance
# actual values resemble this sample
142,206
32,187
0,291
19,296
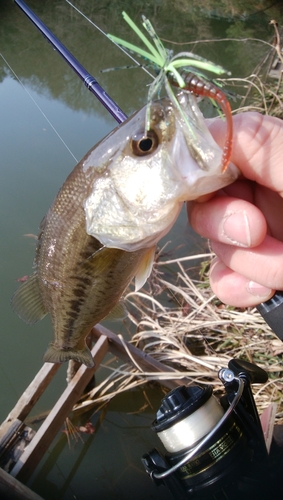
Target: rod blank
90,82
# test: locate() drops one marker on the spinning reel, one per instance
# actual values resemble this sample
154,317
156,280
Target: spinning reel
214,449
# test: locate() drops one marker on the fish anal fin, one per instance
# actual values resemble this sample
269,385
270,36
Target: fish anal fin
145,268
27,301
55,354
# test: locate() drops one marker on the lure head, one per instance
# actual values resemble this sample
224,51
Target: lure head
141,179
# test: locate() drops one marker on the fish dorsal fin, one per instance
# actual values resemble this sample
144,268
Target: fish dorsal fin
118,312
27,302
145,268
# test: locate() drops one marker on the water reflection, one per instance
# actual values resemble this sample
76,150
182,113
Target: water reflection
34,163
108,460
35,62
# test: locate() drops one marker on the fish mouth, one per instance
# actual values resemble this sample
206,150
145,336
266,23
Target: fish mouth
197,156
200,177
137,199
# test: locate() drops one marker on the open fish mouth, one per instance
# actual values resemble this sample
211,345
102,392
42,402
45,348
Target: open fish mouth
138,194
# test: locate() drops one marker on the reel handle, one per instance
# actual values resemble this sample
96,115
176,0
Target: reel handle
253,373
272,313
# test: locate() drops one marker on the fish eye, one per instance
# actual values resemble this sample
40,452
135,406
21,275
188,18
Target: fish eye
143,145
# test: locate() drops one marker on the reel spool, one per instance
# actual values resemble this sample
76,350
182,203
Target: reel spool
213,448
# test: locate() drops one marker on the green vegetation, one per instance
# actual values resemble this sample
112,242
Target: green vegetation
188,26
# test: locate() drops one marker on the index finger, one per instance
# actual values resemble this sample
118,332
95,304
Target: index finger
257,147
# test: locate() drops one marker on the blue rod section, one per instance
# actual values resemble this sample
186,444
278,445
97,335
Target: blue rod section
90,82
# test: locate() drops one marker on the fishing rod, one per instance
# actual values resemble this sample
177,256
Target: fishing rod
90,82
271,310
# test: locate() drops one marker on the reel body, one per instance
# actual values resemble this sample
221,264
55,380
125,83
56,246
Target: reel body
214,449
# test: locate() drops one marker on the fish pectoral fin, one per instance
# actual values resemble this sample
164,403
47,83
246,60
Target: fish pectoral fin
145,268
55,354
118,312
27,301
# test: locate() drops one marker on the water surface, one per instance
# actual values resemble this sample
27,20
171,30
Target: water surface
35,162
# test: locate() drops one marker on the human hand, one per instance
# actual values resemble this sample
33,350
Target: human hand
244,221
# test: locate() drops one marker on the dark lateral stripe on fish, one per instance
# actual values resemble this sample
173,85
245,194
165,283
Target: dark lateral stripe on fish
73,315
84,280
79,292
76,305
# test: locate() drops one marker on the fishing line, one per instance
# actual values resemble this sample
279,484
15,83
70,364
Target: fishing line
38,107
105,34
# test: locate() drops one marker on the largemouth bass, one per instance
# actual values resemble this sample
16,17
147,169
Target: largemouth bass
103,227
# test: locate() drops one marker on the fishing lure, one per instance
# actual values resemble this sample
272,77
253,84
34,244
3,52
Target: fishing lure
189,79
201,87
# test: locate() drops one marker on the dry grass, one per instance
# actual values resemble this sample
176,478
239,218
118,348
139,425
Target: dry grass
262,90
179,322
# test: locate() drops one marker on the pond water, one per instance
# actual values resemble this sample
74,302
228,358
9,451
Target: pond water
40,100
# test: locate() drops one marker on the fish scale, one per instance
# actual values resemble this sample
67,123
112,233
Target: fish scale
103,227
81,266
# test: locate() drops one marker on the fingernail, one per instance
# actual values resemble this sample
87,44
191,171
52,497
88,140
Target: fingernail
217,263
258,290
236,229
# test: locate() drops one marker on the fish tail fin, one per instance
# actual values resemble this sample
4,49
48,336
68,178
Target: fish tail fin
55,354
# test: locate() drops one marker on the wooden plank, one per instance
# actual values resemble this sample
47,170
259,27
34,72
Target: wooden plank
12,489
52,424
145,361
30,396
14,429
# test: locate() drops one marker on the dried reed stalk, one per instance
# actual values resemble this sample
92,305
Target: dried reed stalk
186,327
